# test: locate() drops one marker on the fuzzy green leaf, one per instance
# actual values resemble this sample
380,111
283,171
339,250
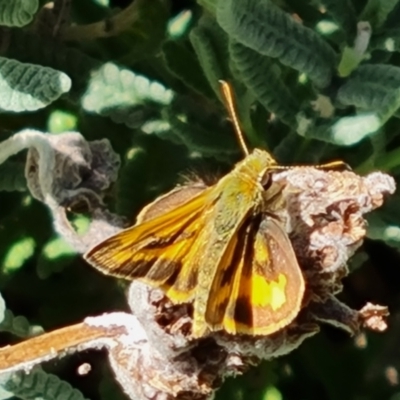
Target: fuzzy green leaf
5,394
17,12
157,126
184,64
350,60
124,96
262,76
28,87
345,131
263,27
211,46
38,384
388,161
374,88
209,5
376,11
25,46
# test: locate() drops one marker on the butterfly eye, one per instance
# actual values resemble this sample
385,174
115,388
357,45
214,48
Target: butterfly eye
266,180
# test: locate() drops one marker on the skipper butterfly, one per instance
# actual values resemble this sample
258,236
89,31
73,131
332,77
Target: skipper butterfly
222,247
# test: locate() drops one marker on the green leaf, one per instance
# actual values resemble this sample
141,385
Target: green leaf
388,161
158,127
209,5
376,11
183,63
262,76
374,88
263,27
5,394
124,96
29,87
345,131
38,384
17,12
211,46
26,46
350,60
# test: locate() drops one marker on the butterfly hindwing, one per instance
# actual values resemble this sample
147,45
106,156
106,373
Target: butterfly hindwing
222,288
260,288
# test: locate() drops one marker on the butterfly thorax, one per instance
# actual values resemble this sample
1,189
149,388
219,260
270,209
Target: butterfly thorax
255,165
241,192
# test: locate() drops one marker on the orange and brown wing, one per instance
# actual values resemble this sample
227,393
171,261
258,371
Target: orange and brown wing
157,251
260,288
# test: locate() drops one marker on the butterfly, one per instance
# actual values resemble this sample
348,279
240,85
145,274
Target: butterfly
222,248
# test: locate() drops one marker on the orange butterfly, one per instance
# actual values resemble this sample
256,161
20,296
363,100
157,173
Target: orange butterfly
222,247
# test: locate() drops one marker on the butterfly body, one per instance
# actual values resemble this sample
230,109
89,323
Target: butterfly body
220,247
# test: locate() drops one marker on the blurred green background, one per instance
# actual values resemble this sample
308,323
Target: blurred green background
311,87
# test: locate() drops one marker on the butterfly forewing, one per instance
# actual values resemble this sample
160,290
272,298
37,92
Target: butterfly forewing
156,251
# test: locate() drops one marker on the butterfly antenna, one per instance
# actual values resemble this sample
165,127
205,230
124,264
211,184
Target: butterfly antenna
230,106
